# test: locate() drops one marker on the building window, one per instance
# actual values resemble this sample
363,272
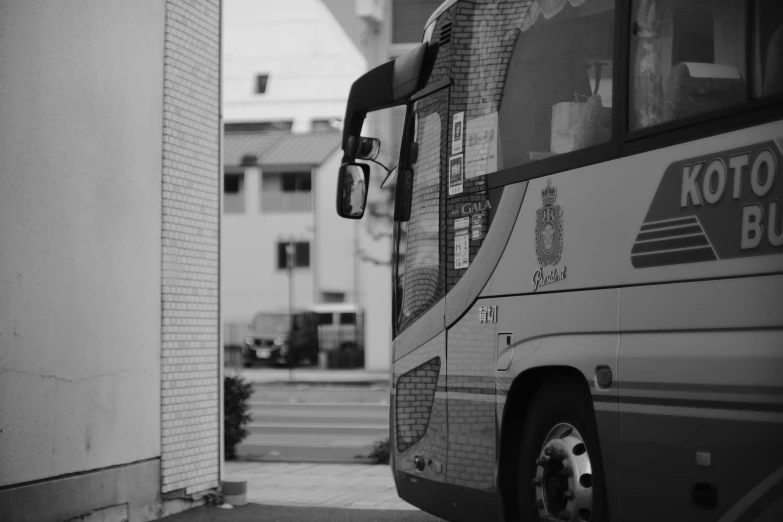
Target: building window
234,192
295,182
333,297
348,318
261,81
286,192
325,318
300,255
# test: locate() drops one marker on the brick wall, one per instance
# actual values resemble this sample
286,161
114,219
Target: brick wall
413,404
190,456
471,412
429,393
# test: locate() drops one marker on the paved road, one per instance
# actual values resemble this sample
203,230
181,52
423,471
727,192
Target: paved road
315,423
256,513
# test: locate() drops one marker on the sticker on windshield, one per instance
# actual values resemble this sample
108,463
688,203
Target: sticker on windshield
455,175
456,133
461,249
482,146
475,226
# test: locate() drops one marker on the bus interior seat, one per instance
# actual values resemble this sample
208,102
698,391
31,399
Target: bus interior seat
773,71
696,88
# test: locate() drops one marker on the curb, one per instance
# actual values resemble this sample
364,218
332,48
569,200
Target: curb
319,383
293,460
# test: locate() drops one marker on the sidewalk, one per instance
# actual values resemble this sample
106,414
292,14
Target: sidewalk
355,486
310,376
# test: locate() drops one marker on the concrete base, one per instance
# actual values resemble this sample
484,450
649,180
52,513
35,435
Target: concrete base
129,493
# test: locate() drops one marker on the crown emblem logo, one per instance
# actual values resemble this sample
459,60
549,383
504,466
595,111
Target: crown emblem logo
549,194
549,228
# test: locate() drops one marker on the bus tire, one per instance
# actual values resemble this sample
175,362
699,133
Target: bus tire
559,473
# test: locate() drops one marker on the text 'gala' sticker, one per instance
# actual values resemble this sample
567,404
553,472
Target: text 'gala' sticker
461,250
456,132
455,175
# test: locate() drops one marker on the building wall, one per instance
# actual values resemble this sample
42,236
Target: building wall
250,280
336,265
80,271
310,60
190,385
108,269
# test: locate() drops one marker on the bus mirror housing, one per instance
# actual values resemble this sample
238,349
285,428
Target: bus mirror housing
352,182
388,85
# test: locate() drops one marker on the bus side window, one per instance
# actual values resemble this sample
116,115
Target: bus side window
768,47
557,96
687,58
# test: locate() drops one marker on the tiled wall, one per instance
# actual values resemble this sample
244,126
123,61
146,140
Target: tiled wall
415,395
191,168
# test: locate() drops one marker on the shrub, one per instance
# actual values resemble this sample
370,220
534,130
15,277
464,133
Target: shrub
379,452
236,393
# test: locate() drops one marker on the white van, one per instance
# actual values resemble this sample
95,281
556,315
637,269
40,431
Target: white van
341,333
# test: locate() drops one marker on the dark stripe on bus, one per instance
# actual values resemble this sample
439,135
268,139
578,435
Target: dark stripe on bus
715,405
670,244
692,229
673,258
709,388
672,223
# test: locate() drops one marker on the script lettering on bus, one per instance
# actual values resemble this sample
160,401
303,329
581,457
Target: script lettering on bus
553,276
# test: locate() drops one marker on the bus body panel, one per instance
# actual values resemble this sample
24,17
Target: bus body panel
543,339
419,422
603,208
701,396
658,273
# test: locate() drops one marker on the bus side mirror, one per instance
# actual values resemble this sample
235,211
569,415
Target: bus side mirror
352,182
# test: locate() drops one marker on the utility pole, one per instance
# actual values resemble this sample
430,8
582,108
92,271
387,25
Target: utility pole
289,251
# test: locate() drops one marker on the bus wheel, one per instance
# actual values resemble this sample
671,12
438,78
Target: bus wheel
559,474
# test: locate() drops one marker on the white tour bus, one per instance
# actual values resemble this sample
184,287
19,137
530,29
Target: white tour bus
588,268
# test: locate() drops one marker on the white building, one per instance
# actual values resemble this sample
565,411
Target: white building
110,374
286,61
289,66
279,189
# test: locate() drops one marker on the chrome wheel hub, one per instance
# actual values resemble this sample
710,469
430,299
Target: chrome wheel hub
563,481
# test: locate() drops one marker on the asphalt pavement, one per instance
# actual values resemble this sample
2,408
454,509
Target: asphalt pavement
315,422
263,513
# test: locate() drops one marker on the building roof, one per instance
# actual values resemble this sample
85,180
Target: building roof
302,149
280,148
236,145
